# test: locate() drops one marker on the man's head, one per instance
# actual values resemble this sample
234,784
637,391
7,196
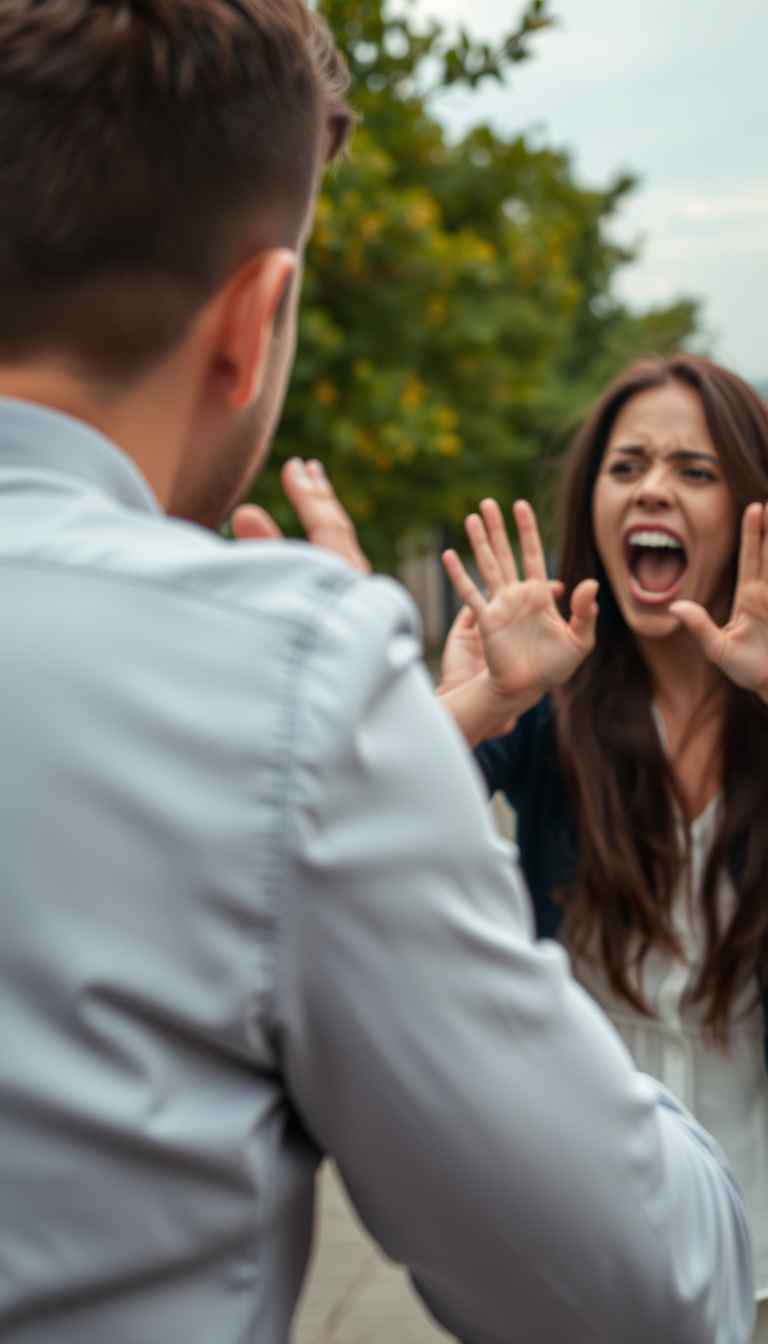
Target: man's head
158,161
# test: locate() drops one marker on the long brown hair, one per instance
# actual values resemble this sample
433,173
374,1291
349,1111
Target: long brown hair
620,783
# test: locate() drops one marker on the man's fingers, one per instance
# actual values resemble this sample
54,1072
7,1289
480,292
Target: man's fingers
251,523
534,563
467,590
316,472
497,535
584,612
323,518
309,491
701,625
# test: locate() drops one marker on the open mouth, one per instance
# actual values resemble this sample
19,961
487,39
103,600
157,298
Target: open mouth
656,563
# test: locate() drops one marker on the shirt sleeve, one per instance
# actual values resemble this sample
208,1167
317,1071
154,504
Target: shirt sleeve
487,1121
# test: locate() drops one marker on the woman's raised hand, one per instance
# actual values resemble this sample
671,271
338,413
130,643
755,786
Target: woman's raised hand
740,648
528,647
463,656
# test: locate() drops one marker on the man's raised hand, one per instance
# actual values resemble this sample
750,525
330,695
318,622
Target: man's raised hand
529,648
323,518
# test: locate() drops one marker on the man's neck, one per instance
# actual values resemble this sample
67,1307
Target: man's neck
148,421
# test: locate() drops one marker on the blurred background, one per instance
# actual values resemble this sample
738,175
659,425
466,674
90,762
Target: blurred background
534,198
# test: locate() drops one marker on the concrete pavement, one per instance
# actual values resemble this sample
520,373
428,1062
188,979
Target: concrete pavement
353,1294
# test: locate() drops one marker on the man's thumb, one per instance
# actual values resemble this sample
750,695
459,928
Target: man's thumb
250,523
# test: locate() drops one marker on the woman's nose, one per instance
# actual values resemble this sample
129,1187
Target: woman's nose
654,489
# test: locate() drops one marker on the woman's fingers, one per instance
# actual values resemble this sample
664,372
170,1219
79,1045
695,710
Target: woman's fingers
251,523
584,612
764,557
750,551
467,590
487,564
534,563
701,625
497,535
463,655
466,621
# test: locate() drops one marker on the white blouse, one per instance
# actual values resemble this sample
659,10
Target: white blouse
726,1091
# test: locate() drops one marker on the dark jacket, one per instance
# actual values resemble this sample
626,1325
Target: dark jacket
524,766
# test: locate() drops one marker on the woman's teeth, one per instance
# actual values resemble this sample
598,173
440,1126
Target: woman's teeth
657,561
654,539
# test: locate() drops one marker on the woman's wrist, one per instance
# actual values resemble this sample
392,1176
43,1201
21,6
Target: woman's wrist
480,710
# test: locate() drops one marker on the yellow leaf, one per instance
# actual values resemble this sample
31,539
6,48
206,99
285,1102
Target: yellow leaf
449,445
414,394
447,419
327,394
420,215
370,226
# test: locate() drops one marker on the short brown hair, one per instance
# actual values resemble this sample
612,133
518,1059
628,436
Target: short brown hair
139,139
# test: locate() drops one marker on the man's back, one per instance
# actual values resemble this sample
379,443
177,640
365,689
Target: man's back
145,710
251,904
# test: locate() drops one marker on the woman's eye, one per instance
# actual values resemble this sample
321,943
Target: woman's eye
698,474
623,469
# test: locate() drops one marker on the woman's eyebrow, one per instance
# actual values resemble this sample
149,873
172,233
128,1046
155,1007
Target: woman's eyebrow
684,454
691,454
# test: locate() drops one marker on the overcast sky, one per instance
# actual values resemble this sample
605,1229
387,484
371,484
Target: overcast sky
677,92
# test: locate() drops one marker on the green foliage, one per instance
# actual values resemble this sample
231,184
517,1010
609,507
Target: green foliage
457,306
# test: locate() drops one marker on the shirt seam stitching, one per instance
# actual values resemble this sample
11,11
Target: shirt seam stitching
332,589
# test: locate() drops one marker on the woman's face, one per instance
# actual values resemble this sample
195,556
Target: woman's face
665,522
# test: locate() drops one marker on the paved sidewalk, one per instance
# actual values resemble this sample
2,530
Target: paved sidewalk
353,1295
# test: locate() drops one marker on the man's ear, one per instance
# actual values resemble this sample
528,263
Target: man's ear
247,314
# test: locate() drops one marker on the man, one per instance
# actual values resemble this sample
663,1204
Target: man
251,905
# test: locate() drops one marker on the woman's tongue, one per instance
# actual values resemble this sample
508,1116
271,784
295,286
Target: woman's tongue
658,568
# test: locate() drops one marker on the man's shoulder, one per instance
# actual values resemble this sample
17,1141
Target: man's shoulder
280,580
88,535
285,581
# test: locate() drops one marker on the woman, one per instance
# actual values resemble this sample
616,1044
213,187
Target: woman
641,782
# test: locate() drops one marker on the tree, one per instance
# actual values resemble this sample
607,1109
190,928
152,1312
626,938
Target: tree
458,304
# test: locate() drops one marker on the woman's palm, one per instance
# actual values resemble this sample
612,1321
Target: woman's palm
527,644
518,632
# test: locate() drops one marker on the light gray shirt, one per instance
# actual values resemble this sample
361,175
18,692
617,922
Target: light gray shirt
252,909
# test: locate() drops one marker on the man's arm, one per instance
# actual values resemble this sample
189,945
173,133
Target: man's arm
487,1121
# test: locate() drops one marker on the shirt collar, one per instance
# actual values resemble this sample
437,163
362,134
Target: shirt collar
37,437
